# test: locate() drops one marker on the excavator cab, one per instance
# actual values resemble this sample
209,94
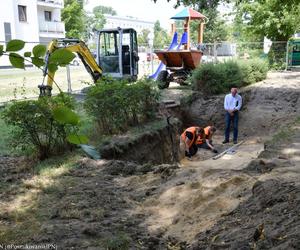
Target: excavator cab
117,53
117,56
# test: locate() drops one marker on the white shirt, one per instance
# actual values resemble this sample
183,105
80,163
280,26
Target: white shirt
232,102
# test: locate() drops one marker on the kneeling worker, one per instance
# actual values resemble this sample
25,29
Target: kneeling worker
205,140
189,138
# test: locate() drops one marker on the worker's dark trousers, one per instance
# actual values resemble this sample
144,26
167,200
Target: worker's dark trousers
204,145
193,149
228,120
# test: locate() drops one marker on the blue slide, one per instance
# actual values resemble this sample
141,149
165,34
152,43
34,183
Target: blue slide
161,65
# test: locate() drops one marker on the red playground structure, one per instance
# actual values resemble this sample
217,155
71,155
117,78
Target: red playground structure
178,61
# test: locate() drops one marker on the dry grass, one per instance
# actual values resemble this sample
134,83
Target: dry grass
17,83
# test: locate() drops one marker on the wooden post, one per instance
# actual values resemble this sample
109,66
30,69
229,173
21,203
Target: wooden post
187,30
173,28
200,32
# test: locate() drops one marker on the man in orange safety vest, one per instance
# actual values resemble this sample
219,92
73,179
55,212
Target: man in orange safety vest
188,138
205,140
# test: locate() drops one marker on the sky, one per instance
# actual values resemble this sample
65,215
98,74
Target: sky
142,9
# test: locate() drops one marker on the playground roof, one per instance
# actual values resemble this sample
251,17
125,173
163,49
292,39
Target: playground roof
188,12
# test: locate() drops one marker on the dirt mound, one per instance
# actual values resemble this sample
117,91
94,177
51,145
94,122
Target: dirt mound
267,106
267,220
125,168
262,166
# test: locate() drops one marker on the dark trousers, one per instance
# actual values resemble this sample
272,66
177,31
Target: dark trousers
193,149
204,145
228,120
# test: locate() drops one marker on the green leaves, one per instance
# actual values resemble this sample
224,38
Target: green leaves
27,54
1,50
77,139
52,67
15,45
61,57
65,115
37,61
39,50
16,60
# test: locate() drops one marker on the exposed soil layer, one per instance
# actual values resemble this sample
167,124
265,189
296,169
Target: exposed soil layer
153,146
267,105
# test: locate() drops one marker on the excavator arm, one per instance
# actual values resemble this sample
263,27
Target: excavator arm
73,45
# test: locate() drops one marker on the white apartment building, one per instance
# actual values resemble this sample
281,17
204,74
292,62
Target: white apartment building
31,20
128,22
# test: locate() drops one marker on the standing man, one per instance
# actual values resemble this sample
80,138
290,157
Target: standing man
232,105
188,138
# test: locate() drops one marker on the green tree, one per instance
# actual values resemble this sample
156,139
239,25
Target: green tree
96,20
273,19
215,29
104,10
161,37
73,17
143,38
203,4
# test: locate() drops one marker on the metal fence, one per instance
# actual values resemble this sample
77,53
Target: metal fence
215,52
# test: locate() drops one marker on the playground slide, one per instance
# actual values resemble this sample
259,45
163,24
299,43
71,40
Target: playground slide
161,66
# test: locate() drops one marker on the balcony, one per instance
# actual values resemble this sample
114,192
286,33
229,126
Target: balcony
52,29
51,3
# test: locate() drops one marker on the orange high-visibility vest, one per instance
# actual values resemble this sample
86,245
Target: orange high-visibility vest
207,133
193,131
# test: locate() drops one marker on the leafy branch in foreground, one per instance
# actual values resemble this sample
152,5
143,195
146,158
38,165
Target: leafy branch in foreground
45,123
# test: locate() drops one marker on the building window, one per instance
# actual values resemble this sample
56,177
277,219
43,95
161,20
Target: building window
7,31
22,13
48,16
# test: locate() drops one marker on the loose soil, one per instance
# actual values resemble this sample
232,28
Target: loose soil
246,200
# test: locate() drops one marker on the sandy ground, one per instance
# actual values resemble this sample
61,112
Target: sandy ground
246,200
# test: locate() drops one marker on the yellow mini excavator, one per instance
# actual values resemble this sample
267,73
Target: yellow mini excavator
116,55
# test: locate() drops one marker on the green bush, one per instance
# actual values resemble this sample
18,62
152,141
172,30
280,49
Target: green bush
117,105
217,78
35,126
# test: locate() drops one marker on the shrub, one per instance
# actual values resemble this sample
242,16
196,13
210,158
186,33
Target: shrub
36,127
218,78
116,105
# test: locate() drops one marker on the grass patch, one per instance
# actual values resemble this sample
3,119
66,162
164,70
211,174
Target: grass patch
13,80
120,241
5,135
57,165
